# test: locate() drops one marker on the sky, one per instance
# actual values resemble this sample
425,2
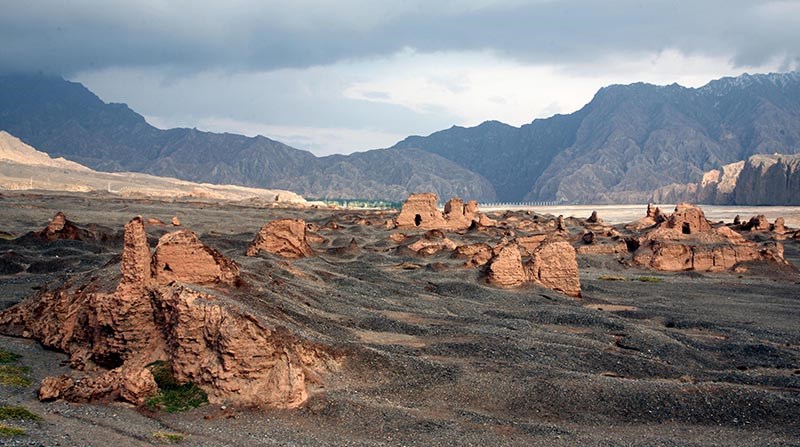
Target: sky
352,75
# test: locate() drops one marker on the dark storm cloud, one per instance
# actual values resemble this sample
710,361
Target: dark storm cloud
69,37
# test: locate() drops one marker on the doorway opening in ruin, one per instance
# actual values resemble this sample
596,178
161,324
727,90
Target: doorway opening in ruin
686,229
417,220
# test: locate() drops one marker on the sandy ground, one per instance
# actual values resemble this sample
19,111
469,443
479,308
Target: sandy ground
437,358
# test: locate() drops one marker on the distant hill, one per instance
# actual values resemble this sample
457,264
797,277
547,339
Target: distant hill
629,140
66,120
626,143
24,168
12,150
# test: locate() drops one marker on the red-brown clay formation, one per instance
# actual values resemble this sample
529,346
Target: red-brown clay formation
779,226
428,243
180,256
62,228
419,211
284,237
757,223
689,219
528,244
553,264
155,222
687,241
474,255
653,216
112,330
505,269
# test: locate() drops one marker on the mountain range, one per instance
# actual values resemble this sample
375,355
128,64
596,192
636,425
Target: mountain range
22,167
64,119
626,143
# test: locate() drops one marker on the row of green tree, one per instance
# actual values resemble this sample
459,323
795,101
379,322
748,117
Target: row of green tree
360,203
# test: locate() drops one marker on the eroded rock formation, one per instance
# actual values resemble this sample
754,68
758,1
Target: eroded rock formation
114,324
505,269
62,228
180,256
779,226
474,255
553,264
757,223
688,219
687,241
284,237
420,211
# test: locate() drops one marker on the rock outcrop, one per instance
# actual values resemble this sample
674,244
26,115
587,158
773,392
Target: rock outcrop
769,180
284,237
132,385
529,244
62,228
180,256
114,324
686,241
474,255
757,223
420,211
779,226
430,246
505,269
653,216
553,264
688,219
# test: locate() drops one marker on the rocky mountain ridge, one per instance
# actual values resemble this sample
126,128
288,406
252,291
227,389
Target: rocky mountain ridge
66,120
630,140
626,143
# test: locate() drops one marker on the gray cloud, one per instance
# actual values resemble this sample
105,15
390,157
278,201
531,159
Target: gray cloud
70,37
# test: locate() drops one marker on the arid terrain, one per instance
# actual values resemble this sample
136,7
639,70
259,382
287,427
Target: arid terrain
429,352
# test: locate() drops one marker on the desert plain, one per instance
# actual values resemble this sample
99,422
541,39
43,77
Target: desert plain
428,352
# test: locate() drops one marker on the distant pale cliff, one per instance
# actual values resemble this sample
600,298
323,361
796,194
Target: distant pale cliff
759,180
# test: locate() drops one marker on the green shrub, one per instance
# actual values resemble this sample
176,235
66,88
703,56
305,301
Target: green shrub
13,375
173,396
649,279
611,278
168,437
7,356
7,431
16,412
162,372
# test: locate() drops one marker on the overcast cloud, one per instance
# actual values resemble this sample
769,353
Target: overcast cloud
356,74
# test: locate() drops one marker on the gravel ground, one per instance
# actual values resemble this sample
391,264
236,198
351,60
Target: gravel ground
435,357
